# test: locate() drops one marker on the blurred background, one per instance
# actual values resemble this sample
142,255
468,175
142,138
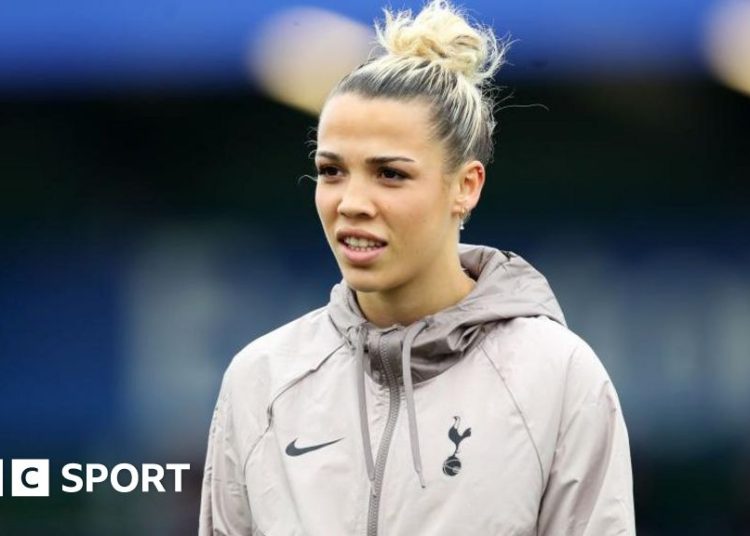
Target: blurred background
153,221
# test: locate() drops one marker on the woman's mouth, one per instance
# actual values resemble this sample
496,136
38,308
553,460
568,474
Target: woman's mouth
361,251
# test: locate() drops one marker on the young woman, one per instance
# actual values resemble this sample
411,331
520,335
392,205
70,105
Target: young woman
439,392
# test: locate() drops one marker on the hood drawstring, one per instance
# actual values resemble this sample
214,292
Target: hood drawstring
411,334
360,338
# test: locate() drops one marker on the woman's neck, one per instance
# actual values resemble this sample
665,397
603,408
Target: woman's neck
410,302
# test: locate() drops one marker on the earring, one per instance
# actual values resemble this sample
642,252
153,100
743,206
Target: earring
463,218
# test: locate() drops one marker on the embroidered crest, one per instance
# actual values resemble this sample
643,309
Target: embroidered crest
452,465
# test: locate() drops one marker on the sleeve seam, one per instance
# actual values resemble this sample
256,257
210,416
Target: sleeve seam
520,413
269,409
561,434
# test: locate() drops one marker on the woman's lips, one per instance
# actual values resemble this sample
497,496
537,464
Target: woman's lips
361,258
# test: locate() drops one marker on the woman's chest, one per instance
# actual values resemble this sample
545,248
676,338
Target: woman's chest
307,474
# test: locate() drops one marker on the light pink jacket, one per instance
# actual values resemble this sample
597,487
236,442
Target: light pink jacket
487,418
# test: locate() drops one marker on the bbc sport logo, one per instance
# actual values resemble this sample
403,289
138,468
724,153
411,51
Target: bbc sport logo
31,477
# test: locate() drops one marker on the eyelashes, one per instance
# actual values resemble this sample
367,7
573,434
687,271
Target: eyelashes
392,174
387,173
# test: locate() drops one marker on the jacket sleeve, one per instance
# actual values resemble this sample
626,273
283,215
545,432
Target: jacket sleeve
589,490
225,508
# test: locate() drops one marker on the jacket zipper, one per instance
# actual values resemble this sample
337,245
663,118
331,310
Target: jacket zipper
385,442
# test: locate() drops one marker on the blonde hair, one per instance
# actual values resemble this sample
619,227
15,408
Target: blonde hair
438,56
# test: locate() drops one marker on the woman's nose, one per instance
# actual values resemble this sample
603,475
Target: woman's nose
356,199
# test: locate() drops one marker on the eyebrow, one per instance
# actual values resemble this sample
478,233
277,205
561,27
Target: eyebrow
370,160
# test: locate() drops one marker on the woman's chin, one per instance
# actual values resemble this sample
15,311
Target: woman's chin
364,282
360,286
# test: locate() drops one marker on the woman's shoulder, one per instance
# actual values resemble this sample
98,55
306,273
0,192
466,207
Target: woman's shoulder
540,351
285,352
540,332
550,373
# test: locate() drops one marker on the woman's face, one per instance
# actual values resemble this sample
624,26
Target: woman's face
381,174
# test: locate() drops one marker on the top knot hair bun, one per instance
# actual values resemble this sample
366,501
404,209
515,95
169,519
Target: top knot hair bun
440,33
440,58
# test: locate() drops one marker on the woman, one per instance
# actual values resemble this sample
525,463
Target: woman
439,392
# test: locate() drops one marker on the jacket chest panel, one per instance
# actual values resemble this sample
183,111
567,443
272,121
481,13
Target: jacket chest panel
480,468
306,476
481,472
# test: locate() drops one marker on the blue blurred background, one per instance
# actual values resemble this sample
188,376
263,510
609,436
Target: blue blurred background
153,221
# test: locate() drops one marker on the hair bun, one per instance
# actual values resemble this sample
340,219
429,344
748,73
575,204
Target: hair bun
440,33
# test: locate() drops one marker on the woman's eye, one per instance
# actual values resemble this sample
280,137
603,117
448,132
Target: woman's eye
327,171
392,174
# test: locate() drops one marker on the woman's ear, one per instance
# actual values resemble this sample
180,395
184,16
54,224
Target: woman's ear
470,182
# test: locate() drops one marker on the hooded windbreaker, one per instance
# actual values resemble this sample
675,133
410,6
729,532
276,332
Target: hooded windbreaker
489,417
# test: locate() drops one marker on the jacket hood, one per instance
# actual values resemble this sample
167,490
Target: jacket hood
507,287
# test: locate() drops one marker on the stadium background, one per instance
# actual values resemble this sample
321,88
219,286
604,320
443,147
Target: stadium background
153,221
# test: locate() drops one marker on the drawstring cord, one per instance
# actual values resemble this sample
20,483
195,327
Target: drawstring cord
359,357
360,337
416,455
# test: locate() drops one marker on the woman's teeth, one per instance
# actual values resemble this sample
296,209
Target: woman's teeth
362,244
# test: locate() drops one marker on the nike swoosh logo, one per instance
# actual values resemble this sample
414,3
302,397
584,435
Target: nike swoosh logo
294,450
